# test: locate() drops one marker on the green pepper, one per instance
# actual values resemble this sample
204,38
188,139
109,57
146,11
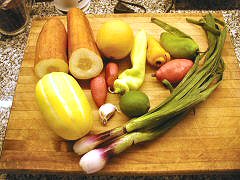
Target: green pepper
132,79
176,42
179,47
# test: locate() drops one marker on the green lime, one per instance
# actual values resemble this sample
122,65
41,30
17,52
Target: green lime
134,103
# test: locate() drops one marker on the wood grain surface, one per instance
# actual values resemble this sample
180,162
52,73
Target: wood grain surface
208,141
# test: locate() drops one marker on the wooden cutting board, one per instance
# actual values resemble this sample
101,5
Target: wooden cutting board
208,141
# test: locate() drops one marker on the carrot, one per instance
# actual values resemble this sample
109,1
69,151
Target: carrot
98,88
85,61
174,71
51,49
111,73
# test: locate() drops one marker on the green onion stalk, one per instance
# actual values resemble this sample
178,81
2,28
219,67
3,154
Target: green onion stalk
196,87
96,159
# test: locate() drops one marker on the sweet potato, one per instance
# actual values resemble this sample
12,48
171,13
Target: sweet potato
51,48
111,73
84,58
98,88
174,71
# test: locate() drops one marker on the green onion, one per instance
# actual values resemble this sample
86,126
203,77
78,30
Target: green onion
96,159
88,143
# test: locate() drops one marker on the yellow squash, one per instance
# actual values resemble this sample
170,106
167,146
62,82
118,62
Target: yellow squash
64,105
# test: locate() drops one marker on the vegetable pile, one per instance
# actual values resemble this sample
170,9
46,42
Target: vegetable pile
196,86
66,108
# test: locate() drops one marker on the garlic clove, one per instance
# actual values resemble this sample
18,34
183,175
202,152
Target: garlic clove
106,111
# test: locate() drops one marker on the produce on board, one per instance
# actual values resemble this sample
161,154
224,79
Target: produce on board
156,55
51,49
85,61
67,110
197,85
115,39
64,105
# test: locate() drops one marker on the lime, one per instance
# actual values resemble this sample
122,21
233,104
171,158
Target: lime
134,103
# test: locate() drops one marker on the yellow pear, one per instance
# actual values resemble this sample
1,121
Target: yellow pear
156,55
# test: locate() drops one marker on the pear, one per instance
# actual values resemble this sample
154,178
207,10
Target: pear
156,55
179,47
